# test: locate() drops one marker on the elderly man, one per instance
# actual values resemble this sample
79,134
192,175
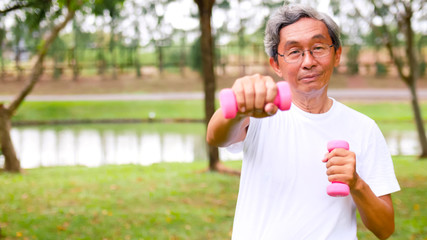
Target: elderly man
286,167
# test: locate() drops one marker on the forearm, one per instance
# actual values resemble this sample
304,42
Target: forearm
223,132
377,213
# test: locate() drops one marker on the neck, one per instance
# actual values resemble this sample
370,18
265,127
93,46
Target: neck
313,102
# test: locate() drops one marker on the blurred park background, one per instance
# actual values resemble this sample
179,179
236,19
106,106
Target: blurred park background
103,107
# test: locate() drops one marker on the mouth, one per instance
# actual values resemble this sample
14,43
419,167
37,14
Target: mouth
309,77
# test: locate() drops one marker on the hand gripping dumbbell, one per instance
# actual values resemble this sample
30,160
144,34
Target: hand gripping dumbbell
338,189
228,102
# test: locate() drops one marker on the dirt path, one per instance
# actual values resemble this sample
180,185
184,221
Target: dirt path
339,94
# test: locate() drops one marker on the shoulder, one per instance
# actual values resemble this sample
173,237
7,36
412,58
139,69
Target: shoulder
352,115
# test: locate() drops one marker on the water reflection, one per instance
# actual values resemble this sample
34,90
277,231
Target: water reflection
403,142
93,147
38,147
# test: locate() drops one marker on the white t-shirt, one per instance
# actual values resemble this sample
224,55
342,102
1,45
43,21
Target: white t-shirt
283,184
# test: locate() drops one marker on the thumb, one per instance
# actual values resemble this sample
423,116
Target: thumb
270,109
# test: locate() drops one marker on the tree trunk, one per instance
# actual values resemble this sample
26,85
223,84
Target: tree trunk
160,59
12,163
2,38
419,121
113,49
3,70
75,64
18,63
137,63
405,26
75,61
183,56
6,112
413,76
206,44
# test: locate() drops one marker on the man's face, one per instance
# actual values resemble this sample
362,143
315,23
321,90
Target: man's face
309,75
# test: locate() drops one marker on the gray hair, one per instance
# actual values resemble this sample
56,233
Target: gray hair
289,14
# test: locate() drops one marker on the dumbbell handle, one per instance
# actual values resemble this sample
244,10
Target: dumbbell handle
228,102
338,189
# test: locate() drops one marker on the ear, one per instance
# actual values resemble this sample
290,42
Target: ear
275,66
338,57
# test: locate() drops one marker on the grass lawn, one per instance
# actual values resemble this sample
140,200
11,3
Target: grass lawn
109,110
167,200
379,111
162,201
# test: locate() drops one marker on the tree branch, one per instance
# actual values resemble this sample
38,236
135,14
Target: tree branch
38,66
16,6
386,37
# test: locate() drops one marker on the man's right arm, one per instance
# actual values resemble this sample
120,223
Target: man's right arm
223,132
254,97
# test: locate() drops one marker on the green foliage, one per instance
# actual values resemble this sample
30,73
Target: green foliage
381,69
422,68
196,56
36,13
112,6
353,59
58,53
173,55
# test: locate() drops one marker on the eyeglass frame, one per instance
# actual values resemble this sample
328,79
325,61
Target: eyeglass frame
303,51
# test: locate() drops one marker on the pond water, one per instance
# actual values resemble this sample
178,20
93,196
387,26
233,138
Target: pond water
93,145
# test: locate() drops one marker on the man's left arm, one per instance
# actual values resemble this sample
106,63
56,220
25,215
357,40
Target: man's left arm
377,213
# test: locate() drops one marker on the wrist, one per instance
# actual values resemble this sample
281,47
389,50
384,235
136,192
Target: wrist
358,184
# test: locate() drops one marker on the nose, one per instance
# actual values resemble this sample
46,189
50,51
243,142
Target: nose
308,61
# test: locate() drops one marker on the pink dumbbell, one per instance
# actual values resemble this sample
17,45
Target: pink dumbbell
338,189
228,103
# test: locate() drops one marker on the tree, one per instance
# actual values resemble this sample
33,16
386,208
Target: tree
18,40
12,163
207,47
2,38
113,8
75,57
399,15
136,40
161,31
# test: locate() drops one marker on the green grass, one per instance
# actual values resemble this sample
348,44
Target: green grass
109,110
382,112
410,204
162,201
167,200
389,111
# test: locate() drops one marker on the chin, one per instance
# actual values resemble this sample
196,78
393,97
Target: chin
313,88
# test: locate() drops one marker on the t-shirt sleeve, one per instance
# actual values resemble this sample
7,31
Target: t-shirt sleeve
235,147
249,139
377,168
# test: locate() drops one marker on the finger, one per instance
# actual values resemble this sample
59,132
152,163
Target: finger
260,93
336,161
339,178
340,152
249,94
240,95
270,109
336,170
271,89
325,158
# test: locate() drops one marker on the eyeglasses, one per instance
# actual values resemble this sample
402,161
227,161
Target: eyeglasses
295,55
